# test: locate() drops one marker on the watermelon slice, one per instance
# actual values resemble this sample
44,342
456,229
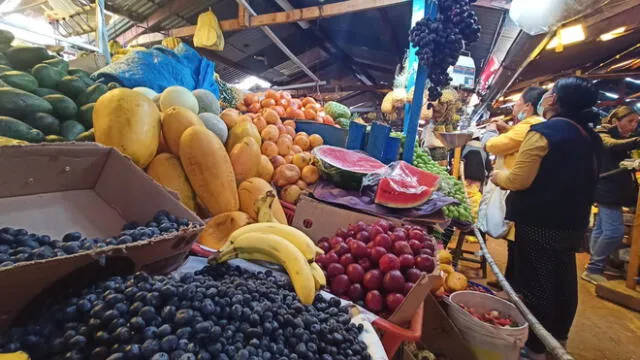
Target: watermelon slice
346,168
406,187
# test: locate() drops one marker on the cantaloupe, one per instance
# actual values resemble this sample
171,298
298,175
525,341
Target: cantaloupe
178,96
240,131
253,189
146,92
245,159
129,122
175,121
217,230
166,169
209,169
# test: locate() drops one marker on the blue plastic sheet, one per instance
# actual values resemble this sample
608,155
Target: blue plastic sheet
160,67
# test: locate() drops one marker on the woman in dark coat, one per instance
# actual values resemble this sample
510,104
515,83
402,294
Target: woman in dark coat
552,186
613,191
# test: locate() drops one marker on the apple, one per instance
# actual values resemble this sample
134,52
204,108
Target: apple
406,261
373,301
401,247
358,248
363,236
372,279
335,269
384,241
416,234
355,272
412,275
415,245
346,259
384,225
375,231
388,262
321,260
334,241
331,257
376,253
365,263
340,284
356,292
324,245
341,233
425,251
425,263
393,300
407,287
341,249
398,236
393,281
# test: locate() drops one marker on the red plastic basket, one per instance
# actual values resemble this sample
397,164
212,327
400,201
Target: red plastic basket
393,335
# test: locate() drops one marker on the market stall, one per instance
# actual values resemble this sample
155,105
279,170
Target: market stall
157,208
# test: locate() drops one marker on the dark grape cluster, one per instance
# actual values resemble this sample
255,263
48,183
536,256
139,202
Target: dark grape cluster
19,245
441,40
221,312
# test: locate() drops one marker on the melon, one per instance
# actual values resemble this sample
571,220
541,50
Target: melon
207,102
178,96
406,187
146,92
345,168
217,126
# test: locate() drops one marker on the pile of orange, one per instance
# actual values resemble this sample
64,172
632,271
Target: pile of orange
285,106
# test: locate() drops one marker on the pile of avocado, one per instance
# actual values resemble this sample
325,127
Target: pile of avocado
41,99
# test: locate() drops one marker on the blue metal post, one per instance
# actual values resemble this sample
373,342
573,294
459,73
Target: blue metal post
411,121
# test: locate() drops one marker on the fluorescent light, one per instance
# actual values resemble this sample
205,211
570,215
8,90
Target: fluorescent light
613,33
611,95
514,97
637,82
251,81
548,86
568,35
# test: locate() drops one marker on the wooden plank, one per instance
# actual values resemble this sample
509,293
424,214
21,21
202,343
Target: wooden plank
243,16
616,291
285,17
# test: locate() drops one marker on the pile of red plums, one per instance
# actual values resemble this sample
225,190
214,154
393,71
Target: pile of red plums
376,265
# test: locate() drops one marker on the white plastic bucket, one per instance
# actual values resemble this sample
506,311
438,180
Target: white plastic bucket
488,342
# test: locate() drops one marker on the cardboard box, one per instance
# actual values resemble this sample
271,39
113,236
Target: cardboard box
54,189
318,219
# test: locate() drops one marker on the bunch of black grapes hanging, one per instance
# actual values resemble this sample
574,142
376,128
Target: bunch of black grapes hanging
441,40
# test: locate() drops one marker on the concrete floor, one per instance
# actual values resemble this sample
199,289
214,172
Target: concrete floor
601,330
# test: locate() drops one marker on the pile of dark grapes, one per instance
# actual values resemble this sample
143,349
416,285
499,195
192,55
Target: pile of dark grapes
441,40
221,312
18,245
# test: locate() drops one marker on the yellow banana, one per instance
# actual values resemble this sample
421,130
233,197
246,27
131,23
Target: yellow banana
319,279
296,237
15,356
274,247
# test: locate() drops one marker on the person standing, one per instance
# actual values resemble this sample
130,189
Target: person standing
552,187
504,141
613,191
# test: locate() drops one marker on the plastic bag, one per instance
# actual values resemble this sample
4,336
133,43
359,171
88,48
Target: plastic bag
208,34
429,139
159,68
492,211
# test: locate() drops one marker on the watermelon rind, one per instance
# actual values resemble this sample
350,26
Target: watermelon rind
345,178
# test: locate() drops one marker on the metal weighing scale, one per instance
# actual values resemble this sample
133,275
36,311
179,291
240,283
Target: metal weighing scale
455,140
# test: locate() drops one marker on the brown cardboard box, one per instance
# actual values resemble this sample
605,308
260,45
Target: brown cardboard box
58,188
318,219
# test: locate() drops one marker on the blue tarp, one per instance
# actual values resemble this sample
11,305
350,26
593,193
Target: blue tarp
160,67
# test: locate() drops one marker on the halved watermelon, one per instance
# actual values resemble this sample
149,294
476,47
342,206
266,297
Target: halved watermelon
345,168
406,187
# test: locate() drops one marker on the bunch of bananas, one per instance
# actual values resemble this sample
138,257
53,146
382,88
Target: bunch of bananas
280,244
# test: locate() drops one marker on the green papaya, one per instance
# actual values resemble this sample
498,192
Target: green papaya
16,129
71,86
17,103
70,129
20,80
47,76
92,94
63,107
44,122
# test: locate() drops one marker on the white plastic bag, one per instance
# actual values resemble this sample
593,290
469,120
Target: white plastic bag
492,211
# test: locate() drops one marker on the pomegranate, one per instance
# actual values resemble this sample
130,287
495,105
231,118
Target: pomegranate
398,236
429,244
375,231
331,257
372,279
425,251
384,225
363,236
416,234
321,260
334,241
415,245
341,233
324,245
341,249
401,247
407,287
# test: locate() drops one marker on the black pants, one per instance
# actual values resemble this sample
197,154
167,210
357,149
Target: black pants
510,268
546,277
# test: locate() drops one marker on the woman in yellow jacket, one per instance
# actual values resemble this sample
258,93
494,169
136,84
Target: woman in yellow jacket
503,140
